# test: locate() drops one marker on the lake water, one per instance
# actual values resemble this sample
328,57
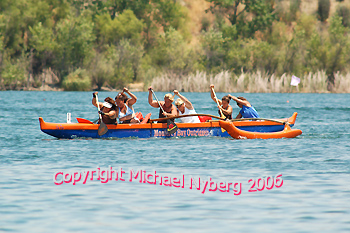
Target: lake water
315,168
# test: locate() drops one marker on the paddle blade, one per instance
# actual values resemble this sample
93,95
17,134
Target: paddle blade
82,120
222,116
171,127
102,129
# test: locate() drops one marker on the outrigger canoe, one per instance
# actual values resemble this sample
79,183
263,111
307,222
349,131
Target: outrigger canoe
237,133
152,129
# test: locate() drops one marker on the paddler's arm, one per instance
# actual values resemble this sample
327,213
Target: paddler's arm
152,102
173,112
127,117
94,102
243,102
111,114
133,97
239,116
213,95
188,104
227,111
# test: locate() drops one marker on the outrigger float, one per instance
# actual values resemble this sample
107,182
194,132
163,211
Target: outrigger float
218,128
237,133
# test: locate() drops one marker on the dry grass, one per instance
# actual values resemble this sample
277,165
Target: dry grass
258,82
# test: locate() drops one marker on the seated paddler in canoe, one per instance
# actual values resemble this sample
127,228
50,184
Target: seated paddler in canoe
107,109
247,110
224,106
185,107
125,110
166,107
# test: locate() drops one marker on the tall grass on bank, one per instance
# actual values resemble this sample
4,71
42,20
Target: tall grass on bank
259,82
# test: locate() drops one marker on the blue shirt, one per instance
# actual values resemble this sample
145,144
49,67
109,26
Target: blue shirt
249,112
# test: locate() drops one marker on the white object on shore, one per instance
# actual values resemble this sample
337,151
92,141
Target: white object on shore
69,117
295,81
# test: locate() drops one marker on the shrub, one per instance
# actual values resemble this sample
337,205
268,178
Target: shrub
323,9
307,23
12,73
294,7
77,81
173,54
126,25
212,45
101,70
344,12
250,55
126,59
205,23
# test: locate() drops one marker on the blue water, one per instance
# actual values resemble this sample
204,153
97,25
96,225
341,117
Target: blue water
315,168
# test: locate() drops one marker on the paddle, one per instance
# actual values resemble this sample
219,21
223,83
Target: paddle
171,126
187,115
221,114
217,102
102,129
261,119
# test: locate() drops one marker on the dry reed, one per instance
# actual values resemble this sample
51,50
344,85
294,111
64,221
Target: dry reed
258,82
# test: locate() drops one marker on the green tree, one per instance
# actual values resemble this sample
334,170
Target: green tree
293,61
43,45
18,17
14,72
250,55
101,70
245,16
214,50
339,48
77,81
96,7
344,12
126,59
329,52
111,31
165,13
323,9
74,43
172,53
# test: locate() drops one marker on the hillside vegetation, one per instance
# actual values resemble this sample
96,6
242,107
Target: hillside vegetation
240,45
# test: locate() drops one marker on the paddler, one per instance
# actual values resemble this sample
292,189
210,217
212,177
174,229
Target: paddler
167,105
247,110
224,104
125,110
107,109
185,107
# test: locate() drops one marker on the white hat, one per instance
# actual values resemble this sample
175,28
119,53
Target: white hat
178,102
107,105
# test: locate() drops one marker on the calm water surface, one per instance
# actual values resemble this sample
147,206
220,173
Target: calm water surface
315,168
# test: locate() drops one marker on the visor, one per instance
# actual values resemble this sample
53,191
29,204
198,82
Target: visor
107,105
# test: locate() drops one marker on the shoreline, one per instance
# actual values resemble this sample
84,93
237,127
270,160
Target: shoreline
140,87
138,90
